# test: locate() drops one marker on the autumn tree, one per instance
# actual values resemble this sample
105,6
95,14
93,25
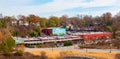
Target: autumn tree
54,22
64,20
1,38
75,21
7,46
86,19
115,27
7,43
43,22
107,19
33,19
22,18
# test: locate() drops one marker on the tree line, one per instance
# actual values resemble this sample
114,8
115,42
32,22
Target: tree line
32,25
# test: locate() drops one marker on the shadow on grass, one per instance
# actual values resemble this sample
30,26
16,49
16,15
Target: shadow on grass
117,56
25,56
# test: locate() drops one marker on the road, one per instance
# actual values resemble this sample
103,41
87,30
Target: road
76,49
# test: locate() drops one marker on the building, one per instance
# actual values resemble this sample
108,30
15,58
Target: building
49,40
59,37
69,27
93,35
54,31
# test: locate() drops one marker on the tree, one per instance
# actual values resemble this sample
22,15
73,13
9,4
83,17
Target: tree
64,20
33,34
54,21
37,30
22,18
75,21
109,28
82,22
115,27
107,18
15,33
1,24
1,38
7,46
43,22
33,19
8,19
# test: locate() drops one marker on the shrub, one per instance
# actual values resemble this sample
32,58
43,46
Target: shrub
30,46
41,45
53,45
19,53
68,43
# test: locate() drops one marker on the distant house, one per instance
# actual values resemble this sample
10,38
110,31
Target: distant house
37,24
19,22
69,27
91,28
23,23
26,24
14,22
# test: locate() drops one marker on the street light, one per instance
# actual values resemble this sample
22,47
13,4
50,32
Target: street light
110,46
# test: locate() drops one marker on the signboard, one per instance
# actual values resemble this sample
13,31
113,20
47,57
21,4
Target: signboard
19,41
59,31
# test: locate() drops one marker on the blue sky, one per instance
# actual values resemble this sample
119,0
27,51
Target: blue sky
46,8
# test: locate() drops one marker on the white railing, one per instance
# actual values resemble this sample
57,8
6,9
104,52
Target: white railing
50,40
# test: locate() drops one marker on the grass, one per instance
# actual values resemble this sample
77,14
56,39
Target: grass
58,54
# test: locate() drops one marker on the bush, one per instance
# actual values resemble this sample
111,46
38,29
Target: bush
53,45
41,45
7,46
68,43
30,46
19,53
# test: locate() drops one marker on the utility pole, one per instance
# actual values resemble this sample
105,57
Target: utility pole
86,48
110,46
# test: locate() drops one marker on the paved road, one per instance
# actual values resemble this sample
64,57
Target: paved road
70,48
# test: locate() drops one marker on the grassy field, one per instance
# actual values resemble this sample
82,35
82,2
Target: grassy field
58,54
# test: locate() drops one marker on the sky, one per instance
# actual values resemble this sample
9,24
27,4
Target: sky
47,8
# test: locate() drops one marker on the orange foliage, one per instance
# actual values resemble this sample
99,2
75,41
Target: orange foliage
1,35
1,38
33,18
